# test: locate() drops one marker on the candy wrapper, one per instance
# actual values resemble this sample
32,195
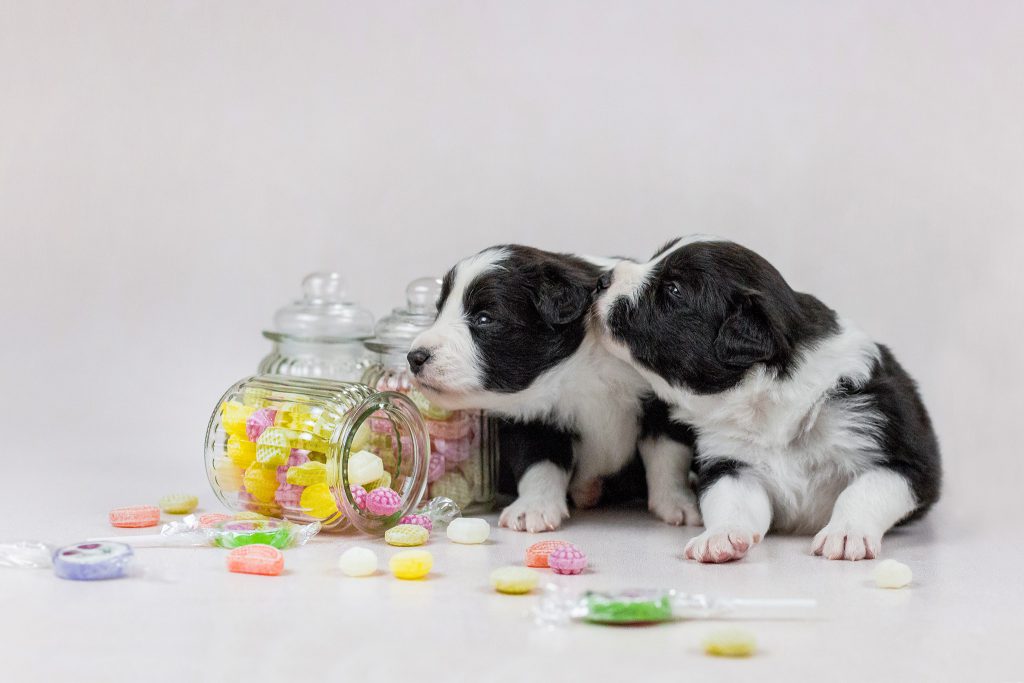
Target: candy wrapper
229,533
26,555
85,561
649,606
440,510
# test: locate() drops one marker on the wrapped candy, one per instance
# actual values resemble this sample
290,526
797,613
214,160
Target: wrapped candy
649,606
230,533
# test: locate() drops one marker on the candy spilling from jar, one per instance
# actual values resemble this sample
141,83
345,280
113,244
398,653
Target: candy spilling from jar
275,461
457,467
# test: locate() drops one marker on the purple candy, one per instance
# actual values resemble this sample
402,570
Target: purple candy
92,561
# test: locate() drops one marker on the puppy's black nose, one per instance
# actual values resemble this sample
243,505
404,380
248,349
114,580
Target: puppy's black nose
604,282
417,359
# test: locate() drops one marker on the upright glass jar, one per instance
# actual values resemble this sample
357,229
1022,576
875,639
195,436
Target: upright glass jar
320,335
463,443
301,449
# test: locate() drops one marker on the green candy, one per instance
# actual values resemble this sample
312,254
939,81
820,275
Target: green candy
638,608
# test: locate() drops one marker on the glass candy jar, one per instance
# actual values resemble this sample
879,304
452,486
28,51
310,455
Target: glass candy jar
463,443
320,335
301,449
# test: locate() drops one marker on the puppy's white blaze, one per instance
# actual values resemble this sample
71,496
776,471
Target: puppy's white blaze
454,366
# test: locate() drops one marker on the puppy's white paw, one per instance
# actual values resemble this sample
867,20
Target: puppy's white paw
675,506
845,542
721,545
586,494
534,514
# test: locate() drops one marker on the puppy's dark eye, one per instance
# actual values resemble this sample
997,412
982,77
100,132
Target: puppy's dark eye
482,318
673,290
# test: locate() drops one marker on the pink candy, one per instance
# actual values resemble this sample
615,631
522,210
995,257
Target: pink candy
567,559
453,451
359,495
383,501
455,428
435,470
258,421
297,457
418,520
288,495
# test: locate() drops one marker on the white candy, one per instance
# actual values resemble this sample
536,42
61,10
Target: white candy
892,574
469,530
364,467
358,561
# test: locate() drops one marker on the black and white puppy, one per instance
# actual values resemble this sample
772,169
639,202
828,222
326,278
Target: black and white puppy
515,335
804,424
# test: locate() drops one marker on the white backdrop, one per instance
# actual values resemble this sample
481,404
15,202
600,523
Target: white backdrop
170,170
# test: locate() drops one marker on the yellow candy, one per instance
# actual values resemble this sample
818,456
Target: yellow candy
257,398
273,447
514,580
406,535
383,482
730,642
227,475
261,482
241,452
233,416
318,502
178,503
411,564
307,474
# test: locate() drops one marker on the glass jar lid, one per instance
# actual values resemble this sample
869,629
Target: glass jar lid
397,330
324,313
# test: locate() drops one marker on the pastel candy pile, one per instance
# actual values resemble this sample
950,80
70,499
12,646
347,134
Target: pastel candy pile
514,580
92,561
358,561
135,517
406,535
537,554
567,559
419,520
265,560
179,503
258,421
382,501
411,564
469,530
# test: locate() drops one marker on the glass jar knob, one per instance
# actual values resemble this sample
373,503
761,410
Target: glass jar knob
421,296
323,287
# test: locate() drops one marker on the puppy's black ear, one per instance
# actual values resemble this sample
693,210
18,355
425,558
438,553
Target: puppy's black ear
559,298
747,336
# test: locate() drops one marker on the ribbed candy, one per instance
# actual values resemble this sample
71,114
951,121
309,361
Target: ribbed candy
258,421
273,447
382,502
241,452
406,535
260,482
307,474
358,495
567,559
420,520
179,503
256,559
435,468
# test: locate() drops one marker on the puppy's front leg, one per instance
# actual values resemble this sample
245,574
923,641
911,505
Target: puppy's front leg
737,514
864,511
667,465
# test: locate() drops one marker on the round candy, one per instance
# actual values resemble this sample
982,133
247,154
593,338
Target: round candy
178,503
258,421
514,580
382,502
411,564
92,560
273,447
233,415
537,554
260,482
307,474
358,561
317,501
406,535
892,574
421,520
212,519
453,485
256,559
241,452
567,559
226,475
358,495
469,530
364,467
730,641
135,517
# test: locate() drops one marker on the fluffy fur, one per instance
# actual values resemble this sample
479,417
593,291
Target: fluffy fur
803,423
514,335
